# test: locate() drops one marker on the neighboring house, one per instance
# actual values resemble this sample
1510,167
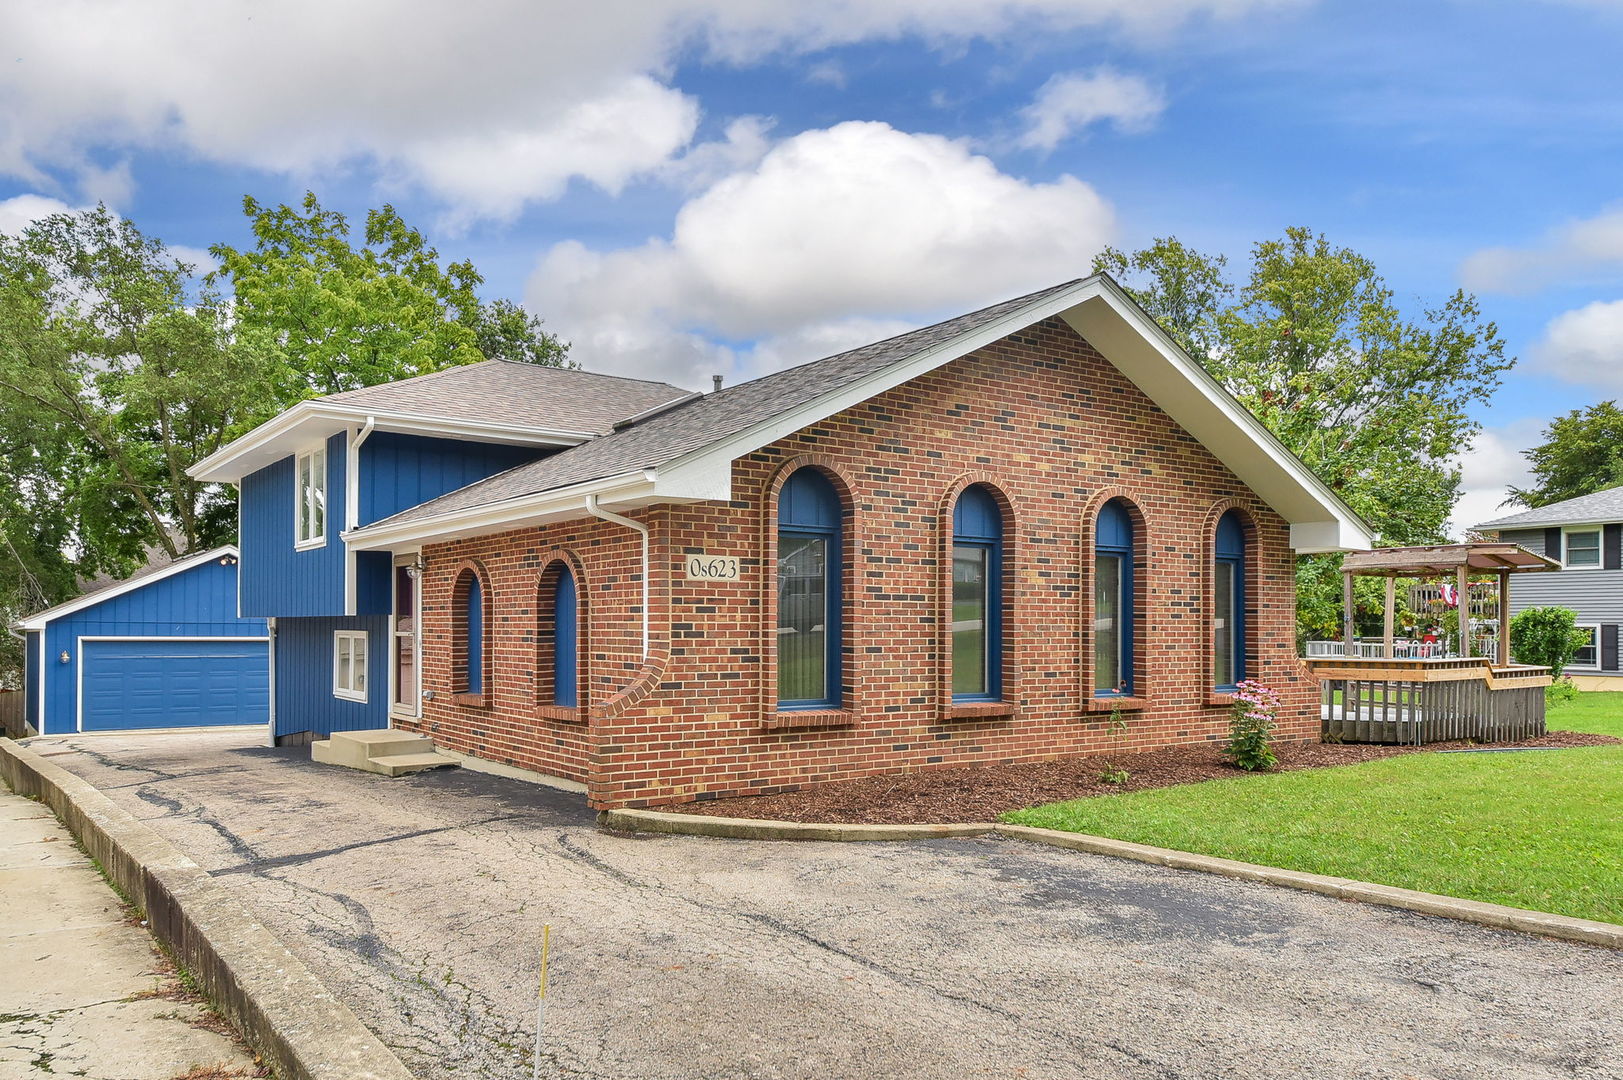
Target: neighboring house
163,649
977,542
1586,536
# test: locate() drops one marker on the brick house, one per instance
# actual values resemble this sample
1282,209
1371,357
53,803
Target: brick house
977,542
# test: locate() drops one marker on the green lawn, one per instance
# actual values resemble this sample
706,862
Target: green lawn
1541,829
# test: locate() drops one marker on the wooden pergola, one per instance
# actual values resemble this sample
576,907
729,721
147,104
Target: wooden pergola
1457,561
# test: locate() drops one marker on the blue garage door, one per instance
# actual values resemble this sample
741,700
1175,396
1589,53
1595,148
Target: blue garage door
159,684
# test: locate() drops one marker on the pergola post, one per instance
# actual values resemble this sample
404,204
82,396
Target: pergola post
1464,579
1349,647
1391,612
1504,618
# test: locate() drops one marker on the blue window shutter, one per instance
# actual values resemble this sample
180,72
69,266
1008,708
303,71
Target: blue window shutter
476,637
565,682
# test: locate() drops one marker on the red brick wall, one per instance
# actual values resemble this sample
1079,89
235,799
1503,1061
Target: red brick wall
1040,418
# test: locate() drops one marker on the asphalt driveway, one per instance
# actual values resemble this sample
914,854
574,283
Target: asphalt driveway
420,901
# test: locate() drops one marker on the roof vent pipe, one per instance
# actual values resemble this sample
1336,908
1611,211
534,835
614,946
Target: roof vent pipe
715,383
598,512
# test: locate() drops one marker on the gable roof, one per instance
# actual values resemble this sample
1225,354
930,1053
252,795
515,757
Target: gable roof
684,453
147,575
499,401
1596,508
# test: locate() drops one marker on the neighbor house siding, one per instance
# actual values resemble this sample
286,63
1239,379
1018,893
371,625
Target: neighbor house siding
304,677
198,602
277,578
1039,417
1594,596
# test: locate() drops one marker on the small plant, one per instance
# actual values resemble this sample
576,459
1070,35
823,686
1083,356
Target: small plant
1117,726
1251,722
1561,692
1115,776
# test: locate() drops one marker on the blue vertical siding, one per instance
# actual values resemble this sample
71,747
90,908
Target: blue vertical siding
31,678
197,602
277,579
401,471
304,674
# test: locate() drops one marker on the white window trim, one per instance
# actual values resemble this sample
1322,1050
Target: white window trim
298,496
1600,547
353,637
1575,666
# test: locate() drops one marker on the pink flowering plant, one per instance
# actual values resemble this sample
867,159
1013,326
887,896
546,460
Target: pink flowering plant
1251,722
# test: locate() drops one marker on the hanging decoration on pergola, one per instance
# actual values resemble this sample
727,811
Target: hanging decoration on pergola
1459,562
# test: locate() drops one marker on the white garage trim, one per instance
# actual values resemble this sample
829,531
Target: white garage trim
79,667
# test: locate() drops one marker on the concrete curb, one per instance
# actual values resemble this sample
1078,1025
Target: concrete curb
1589,932
267,993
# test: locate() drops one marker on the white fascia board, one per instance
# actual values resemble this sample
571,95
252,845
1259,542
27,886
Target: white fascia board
312,420
1539,526
179,566
560,504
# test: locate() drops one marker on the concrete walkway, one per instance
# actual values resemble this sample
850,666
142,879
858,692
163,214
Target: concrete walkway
420,900
83,991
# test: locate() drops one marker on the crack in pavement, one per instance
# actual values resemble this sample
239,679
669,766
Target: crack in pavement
277,862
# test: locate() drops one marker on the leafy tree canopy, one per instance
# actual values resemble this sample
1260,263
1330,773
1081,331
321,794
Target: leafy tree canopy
1582,453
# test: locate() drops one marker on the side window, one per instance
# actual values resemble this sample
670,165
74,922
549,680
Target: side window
310,498
1582,549
1228,602
1113,601
810,592
468,634
977,597
349,660
1589,655
565,638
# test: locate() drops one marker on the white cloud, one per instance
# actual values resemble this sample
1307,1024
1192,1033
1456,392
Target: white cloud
1575,248
1585,345
21,211
1069,104
1493,465
485,105
832,237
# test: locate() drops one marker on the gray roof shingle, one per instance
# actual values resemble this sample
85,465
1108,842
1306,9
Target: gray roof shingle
1599,506
704,420
524,395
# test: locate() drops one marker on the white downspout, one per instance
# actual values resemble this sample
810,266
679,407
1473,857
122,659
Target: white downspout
598,512
352,507
270,657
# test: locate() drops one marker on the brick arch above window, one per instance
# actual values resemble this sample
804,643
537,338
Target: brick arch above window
555,562
470,622
1133,502
1008,701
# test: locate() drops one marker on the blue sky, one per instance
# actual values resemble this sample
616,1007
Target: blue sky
692,186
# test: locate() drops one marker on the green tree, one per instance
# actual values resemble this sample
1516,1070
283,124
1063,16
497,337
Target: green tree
345,315
1582,453
1372,399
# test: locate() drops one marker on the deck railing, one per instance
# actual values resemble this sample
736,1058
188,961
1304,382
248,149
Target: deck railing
1380,699
1373,650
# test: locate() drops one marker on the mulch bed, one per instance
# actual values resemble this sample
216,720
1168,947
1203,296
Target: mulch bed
982,793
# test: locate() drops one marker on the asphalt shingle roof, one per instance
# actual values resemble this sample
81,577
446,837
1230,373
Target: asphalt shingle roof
704,420
525,395
1600,506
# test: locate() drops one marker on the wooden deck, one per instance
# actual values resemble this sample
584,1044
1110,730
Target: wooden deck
1382,700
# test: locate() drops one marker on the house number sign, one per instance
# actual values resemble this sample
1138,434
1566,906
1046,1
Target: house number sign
712,567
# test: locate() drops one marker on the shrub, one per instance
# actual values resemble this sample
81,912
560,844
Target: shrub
1560,692
1546,636
1251,722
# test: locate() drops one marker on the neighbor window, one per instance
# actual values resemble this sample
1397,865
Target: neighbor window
809,592
1113,601
977,597
349,655
310,511
1583,548
1228,602
1587,656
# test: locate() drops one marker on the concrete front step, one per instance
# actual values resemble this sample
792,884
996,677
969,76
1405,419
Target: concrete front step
384,751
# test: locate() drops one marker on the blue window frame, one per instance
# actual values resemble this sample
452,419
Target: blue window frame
565,682
1228,602
977,597
1113,601
474,675
810,592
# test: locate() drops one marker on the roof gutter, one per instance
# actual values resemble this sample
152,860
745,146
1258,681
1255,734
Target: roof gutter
597,511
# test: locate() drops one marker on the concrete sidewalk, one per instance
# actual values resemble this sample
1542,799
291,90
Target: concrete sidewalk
83,992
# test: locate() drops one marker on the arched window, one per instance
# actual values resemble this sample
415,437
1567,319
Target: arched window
1228,602
1113,600
565,679
810,592
977,597
468,633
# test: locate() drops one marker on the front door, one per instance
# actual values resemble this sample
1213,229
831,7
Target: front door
406,655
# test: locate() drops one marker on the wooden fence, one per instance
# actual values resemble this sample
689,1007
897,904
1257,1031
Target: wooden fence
1391,711
11,714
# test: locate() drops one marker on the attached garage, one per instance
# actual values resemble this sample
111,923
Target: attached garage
162,650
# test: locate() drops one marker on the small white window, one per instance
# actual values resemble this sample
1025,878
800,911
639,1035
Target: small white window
1589,655
310,499
1583,549
349,664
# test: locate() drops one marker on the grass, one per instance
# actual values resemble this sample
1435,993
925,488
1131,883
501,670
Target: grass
1536,830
